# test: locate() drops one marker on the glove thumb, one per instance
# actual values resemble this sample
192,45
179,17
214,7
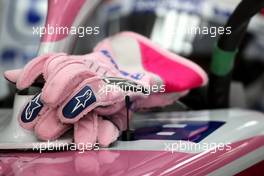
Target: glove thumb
12,75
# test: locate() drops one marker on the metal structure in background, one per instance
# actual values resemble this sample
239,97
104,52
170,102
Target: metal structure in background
225,52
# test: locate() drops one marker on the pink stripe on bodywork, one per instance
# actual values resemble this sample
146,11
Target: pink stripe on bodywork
120,162
208,162
70,9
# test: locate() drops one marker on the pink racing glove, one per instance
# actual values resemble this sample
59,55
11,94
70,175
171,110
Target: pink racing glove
72,89
62,74
132,51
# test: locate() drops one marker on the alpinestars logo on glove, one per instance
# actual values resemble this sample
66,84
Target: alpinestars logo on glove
84,98
32,109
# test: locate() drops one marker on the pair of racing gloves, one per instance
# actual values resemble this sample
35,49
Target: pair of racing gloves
87,92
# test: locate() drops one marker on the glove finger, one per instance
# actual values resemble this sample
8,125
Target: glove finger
109,110
32,71
49,127
107,132
12,75
43,120
61,84
85,130
87,96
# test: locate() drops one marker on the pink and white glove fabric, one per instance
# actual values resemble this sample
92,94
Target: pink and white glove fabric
73,93
73,88
134,52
